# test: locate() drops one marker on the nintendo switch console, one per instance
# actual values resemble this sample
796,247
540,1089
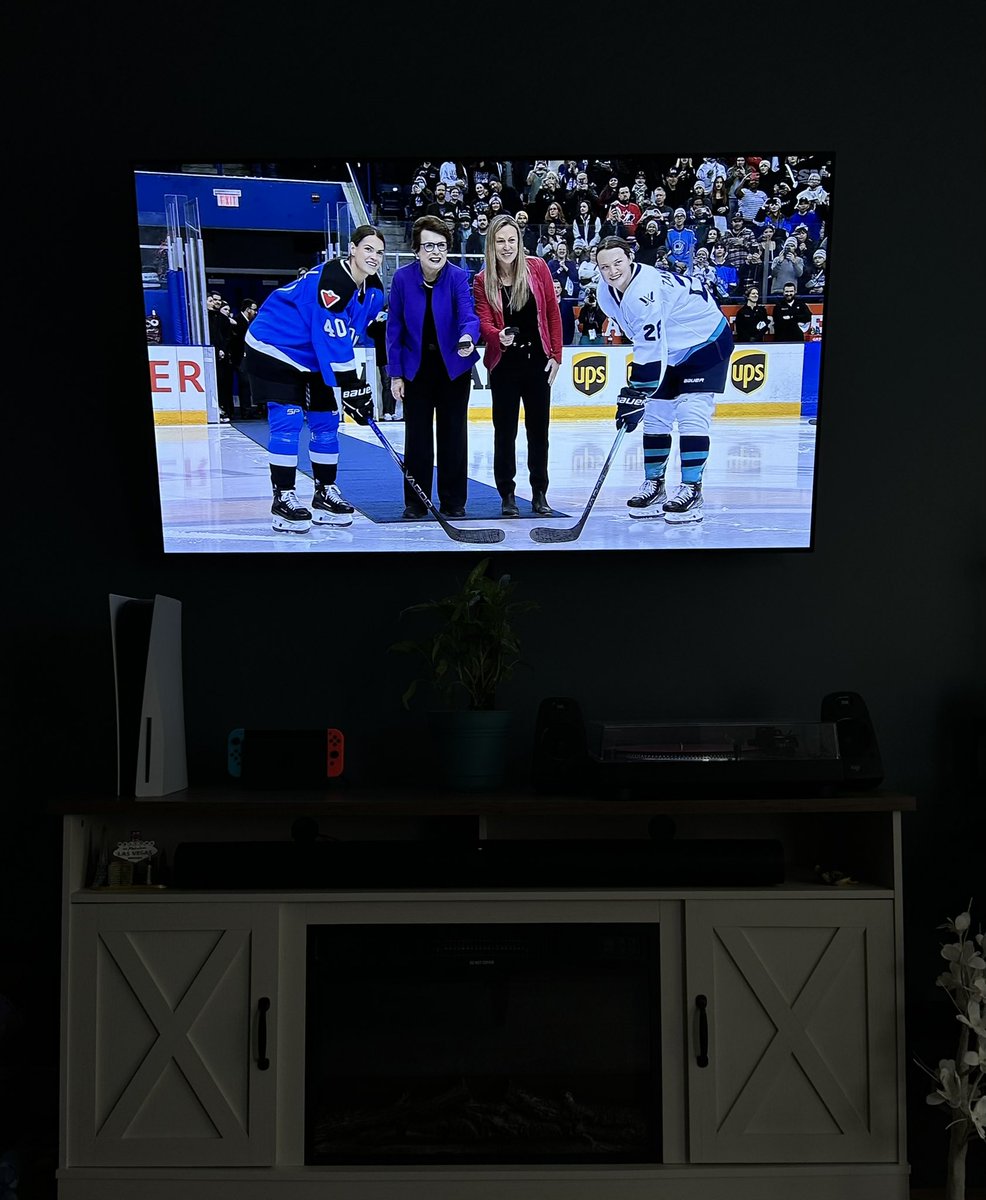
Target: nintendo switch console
285,758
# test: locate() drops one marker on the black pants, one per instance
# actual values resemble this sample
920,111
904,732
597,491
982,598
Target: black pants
387,402
432,396
224,386
511,381
244,390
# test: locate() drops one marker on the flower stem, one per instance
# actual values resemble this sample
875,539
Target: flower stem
958,1144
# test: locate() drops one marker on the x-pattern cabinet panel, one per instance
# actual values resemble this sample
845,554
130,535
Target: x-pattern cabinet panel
793,1053
169,1039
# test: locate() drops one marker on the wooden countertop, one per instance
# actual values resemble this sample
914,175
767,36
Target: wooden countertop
357,800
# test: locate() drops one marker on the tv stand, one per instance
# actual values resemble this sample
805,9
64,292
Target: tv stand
173,999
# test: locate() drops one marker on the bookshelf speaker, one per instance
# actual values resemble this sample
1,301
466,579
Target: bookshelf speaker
858,747
560,747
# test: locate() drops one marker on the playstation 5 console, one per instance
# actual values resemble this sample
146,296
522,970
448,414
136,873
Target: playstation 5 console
150,709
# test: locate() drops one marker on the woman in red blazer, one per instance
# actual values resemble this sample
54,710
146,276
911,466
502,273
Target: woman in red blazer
520,326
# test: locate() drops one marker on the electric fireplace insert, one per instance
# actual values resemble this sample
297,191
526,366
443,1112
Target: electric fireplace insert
489,1043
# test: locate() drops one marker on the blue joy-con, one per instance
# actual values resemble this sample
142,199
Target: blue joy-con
234,753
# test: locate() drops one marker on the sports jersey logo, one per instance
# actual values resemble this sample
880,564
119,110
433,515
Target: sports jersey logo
748,371
589,373
328,297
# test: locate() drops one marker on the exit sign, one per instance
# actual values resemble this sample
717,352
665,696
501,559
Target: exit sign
227,197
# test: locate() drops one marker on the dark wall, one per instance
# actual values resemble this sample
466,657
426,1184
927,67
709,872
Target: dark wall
890,603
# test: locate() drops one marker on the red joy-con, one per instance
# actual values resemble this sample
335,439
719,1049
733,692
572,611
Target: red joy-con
335,758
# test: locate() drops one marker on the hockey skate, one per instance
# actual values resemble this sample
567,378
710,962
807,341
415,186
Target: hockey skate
329,507
648,501
685,505
289,514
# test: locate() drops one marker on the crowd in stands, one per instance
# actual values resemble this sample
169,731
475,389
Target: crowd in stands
743,225
733,221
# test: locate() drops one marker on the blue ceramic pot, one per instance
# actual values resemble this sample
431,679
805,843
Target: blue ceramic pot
470,748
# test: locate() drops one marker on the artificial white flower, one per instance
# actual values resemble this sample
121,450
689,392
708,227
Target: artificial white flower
974,1018
960,1083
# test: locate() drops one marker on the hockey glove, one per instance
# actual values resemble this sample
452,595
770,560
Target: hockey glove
629,408
356,396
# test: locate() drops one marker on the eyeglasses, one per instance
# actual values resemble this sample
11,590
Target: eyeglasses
435,247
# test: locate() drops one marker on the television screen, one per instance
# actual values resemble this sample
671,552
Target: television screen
385,356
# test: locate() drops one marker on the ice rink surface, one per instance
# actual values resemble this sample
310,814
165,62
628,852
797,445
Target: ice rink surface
216,494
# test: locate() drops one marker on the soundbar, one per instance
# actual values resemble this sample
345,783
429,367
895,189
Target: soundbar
576,862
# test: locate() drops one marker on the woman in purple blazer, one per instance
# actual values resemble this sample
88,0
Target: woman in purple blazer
432,332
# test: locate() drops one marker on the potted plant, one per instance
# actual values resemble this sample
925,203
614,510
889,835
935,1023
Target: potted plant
472,651
961,1081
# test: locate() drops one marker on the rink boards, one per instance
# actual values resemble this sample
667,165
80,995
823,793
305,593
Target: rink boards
765,380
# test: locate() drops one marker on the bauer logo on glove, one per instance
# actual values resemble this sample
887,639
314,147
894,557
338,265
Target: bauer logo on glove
630,408
358,402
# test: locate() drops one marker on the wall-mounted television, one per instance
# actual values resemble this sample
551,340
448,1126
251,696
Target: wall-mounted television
661,364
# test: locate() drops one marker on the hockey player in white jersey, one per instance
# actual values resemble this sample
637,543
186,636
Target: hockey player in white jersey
681,349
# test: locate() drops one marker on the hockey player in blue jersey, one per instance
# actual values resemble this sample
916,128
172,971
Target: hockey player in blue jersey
681,349
299,355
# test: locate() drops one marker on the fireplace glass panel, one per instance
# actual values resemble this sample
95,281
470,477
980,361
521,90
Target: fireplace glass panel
483,1043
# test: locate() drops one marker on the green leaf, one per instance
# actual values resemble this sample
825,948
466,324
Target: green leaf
474,647
406,647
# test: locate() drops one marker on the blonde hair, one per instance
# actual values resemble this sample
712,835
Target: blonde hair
491,278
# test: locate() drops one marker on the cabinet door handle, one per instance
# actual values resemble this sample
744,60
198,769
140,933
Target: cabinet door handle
263,1007
702,1004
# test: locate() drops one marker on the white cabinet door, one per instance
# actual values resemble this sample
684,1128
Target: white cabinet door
797,1000
170,1008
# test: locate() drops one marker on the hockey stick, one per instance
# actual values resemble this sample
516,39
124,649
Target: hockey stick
457,535
544,533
